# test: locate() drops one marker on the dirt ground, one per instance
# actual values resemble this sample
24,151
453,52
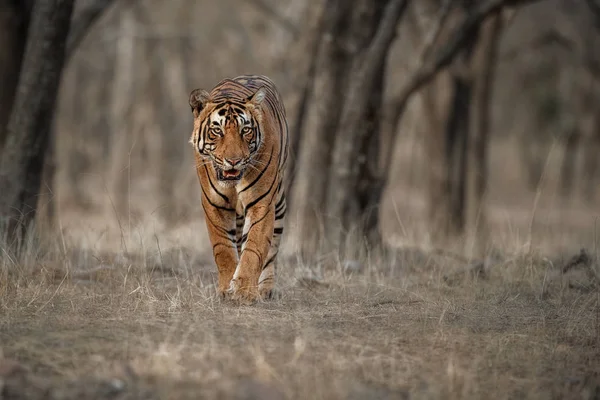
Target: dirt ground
79,324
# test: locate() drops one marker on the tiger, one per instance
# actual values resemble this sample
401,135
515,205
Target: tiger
240,140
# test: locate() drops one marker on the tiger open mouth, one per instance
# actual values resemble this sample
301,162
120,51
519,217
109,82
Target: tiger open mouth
229,174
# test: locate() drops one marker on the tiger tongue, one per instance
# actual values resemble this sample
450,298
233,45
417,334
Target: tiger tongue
230,173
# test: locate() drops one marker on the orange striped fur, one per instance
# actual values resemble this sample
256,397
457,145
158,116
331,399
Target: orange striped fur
240,140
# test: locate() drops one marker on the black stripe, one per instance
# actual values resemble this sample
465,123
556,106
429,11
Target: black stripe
231,232
277,231
259,175
280,204
258,220
213,204
260,260
262,196
213,186
219,228
270,260
242,239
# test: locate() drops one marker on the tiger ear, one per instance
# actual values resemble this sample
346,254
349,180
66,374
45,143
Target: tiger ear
198,99
258,96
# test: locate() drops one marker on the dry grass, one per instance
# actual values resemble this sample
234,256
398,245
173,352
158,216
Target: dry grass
84,322
126,309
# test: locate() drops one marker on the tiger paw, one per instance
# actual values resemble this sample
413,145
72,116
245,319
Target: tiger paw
224,294
267,292
242,291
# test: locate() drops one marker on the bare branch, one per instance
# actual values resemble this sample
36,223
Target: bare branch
82,21
429,44
277,16
556,38
433,37
552,37
594,6
447,52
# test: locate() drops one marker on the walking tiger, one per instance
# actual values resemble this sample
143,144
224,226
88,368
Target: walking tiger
240,140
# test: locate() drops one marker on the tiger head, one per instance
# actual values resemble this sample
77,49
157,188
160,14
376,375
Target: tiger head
227,132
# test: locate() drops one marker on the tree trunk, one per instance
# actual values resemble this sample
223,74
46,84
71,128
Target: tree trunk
355,132
567,167
304,72
170,154
591,163
46,205
485,61
457,136
309,193
120,114
14,24
29,124
446,152
80,26
436,153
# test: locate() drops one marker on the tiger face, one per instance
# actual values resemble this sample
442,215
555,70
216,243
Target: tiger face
227,133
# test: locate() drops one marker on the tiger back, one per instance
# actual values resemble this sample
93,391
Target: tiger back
240,140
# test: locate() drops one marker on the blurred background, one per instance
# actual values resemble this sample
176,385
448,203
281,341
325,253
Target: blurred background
497,148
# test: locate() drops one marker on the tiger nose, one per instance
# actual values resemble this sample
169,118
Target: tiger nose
234,161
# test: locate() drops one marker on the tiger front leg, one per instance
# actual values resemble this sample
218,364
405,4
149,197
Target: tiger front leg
259,233
220,224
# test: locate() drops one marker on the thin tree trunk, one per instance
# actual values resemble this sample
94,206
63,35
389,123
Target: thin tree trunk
305,73
457,135
370,183
29,125
309,193
122,92
567,167
446,151
174,81
436,152
484,73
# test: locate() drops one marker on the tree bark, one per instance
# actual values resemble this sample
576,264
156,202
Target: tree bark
446,149
309,193
14,23
436,152
305,69
457,137
484,68
120,114
29,124
80,26
567,167
365,89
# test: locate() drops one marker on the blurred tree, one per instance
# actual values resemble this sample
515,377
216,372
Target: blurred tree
483,74
562,87
347,79
14,23
463,49
84,17
340,151
31,116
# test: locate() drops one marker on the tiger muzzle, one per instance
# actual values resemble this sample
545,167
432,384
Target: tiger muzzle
229,171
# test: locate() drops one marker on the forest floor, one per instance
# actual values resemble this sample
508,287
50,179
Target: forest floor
87,325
